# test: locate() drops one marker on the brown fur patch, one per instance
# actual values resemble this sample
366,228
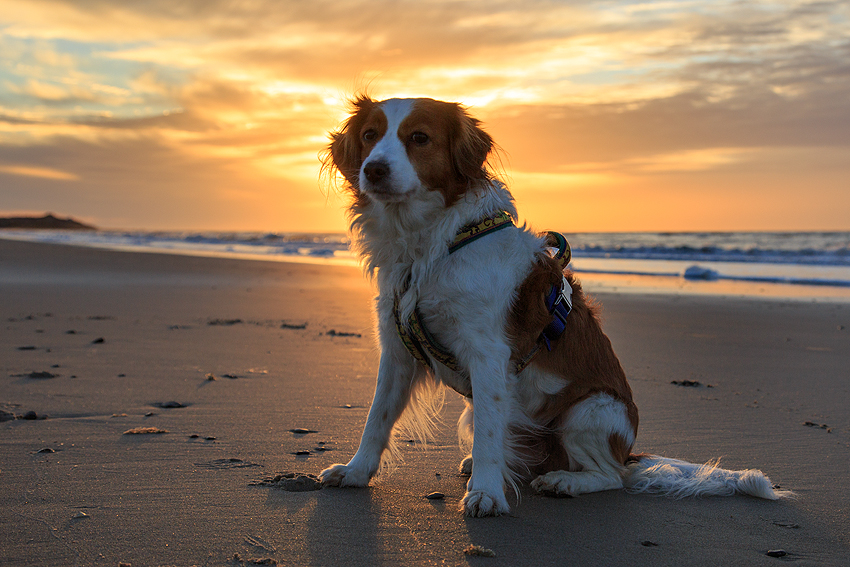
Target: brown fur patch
583,354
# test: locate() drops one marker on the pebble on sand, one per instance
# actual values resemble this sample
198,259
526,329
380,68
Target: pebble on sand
170,405
435,496
335,333
145,431
687,383
291,482
39,375
478,551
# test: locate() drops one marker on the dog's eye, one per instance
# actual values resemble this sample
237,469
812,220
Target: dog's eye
419,138
370,135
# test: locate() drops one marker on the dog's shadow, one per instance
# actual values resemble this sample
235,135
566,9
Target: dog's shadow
337,526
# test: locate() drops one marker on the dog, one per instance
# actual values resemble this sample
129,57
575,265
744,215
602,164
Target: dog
468,299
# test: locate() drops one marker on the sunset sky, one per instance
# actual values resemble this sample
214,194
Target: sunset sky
612,115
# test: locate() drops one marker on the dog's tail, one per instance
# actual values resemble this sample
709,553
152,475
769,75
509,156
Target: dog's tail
679,479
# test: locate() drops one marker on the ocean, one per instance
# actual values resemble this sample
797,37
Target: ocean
819,259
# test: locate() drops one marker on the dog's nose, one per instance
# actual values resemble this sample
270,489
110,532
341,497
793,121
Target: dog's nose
375,171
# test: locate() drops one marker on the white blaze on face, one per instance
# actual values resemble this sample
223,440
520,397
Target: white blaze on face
399,177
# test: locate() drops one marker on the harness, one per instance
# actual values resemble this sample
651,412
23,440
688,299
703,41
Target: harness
425,348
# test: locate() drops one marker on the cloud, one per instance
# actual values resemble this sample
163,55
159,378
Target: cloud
42,172
581,95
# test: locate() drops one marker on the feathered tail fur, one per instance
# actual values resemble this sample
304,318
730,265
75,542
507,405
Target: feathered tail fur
679,479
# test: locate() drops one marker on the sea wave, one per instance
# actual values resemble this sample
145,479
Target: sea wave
802,258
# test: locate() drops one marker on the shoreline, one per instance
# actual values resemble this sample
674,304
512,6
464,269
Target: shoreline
592,279
291,350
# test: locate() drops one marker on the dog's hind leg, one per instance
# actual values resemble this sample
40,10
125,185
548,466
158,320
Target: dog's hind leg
395,381
597,437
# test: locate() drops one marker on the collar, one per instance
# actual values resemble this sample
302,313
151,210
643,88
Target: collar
474,231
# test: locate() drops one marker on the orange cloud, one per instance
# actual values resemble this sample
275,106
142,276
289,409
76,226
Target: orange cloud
215,111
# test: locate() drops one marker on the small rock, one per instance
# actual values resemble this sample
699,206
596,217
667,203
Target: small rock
686,383
647,543
170,405
98,341
145,431
46,450
301,453
293,326
211,377
30,415
776,553
435,496
80,515
291,482
28,347
194,436
225,322
789,525
478,551
40,375
335,333
302,431
6,416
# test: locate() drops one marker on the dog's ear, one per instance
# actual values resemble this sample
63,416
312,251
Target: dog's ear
345,149
470,147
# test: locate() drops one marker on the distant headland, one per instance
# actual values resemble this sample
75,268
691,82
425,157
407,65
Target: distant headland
48,221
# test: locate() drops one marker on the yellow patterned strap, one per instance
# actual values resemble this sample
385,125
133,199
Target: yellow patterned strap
418,340
473,232
410,343
420,343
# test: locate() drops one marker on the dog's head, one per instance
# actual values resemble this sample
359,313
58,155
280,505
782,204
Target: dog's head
395,150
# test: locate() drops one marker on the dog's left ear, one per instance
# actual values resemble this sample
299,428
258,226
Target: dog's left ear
470,147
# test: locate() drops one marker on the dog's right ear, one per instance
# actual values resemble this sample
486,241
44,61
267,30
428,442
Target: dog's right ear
346,149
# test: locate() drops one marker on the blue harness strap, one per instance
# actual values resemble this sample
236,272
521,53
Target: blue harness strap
559,302
424,348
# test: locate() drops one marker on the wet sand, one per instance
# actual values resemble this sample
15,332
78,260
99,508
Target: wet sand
250,370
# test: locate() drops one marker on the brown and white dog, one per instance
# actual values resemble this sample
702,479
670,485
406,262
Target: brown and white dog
417,171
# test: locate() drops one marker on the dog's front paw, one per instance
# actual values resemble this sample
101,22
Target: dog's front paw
344,475
466,465
479,504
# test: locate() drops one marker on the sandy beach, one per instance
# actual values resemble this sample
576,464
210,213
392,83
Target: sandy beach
249,370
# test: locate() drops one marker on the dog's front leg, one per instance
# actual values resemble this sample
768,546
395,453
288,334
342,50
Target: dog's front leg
392,393
485,494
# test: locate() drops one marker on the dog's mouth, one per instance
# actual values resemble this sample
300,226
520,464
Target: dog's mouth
386,195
